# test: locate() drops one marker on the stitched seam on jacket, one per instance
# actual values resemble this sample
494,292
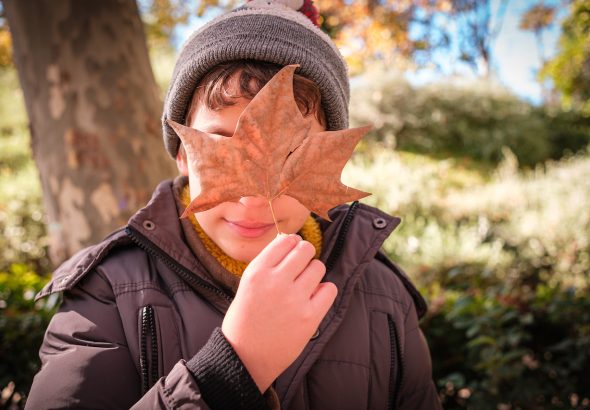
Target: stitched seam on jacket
420,390
133,285
398,301
306,393
125,288
154,289
343,362
407,315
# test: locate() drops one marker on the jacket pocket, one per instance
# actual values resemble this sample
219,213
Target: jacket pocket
385,363
148,348
396,365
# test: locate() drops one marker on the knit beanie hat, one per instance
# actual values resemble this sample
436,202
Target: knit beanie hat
281,32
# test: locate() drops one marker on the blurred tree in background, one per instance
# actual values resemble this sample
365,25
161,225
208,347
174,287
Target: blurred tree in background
474,119
405,34
570,69
5,42
536,19
93,108
161,17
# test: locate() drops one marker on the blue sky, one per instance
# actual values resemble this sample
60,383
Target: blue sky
515,53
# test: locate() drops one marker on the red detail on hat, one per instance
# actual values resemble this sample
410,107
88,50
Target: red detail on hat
310,11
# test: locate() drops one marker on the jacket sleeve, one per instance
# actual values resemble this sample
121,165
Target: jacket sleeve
418,391
86,363
215,374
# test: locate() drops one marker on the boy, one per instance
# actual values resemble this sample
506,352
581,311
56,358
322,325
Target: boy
216,310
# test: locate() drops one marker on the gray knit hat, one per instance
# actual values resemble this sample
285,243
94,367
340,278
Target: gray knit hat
269,31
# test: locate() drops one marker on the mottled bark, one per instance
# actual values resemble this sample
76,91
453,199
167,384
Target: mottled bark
94,111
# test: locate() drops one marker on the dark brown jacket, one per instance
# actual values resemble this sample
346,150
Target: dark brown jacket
138,306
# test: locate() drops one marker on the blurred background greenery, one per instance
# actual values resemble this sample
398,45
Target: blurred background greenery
493,191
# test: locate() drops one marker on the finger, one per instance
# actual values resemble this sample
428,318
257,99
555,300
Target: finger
324,297
297,260
276,250
311,276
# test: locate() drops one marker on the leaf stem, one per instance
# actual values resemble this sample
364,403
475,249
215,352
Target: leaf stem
273,216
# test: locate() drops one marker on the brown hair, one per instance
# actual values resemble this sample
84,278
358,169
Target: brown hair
213,89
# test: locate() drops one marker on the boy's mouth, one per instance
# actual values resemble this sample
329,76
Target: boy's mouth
249,229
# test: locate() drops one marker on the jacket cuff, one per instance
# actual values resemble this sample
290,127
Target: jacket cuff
223,379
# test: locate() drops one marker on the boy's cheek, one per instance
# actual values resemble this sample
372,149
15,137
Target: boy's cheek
210,222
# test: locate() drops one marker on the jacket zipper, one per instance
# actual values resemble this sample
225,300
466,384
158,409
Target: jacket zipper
148,329
339,245
184,273
396,365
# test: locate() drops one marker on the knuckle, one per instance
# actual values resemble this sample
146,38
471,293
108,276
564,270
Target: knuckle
254,276
319,266
306,246
333,290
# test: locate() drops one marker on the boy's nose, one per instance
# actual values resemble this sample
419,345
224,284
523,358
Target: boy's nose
253,201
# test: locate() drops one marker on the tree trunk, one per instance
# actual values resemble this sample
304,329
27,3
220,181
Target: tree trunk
94,110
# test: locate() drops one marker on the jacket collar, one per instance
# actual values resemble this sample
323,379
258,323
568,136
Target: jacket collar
159,223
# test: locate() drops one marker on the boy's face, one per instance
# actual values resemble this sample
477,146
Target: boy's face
241,229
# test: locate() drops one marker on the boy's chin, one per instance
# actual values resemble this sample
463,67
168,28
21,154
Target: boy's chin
245,250
243,255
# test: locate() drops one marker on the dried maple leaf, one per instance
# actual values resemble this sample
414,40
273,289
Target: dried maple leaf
272,152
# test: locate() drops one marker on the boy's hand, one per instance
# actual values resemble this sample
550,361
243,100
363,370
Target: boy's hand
278,307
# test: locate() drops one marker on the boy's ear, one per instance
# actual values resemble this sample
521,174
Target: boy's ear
181,162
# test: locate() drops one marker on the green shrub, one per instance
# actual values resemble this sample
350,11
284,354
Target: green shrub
460,228
23,235
568,131
474,119
22,326
494,350
23,251
13,115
